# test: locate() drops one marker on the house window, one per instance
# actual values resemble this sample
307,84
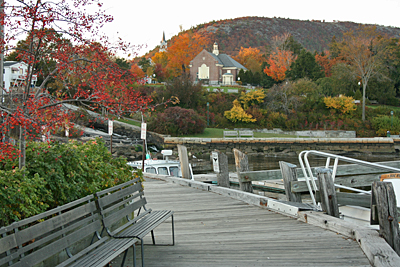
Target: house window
204,72
228,71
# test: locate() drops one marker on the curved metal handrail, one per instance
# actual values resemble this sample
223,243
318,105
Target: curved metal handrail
308,175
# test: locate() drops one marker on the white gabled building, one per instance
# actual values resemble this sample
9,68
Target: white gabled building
15,75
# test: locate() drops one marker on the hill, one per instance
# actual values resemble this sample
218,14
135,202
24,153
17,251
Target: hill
314,35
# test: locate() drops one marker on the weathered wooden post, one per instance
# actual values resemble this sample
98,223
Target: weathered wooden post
384,213
220,166
242,165
289,174
183,158
327,192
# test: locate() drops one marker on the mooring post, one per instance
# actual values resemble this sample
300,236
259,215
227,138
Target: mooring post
384,213
327,192
183,158
242,165
289,175
222,168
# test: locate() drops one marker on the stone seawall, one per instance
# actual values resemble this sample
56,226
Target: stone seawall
380,147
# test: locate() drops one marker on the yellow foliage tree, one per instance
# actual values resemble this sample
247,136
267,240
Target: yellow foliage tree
237,114
251,58
344,104
160,58
252,98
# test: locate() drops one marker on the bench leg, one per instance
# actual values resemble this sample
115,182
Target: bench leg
134,255
173,230
123,260
152,237
141,244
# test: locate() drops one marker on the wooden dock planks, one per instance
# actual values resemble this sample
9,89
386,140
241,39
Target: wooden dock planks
214,230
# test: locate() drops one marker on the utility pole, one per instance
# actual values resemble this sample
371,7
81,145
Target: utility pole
2,47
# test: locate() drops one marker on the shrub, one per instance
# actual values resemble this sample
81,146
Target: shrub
177,121
21,195
382,124
57,174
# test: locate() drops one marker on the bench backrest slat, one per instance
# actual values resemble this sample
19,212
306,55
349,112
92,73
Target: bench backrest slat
115,205
119,195
49,232
117,187
120,201
54,223
61,244
112,218
42,215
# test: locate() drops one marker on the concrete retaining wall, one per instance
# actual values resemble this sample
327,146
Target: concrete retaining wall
382,147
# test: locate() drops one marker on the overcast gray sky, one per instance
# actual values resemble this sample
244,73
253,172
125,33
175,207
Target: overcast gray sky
143,22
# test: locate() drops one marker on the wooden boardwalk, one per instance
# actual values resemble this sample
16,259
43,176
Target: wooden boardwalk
214,230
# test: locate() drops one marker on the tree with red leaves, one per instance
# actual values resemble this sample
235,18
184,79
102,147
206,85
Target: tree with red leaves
76,65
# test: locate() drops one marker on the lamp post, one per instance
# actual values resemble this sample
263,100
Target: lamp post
208,114
391,113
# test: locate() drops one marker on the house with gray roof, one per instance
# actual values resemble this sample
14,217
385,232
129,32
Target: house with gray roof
215,68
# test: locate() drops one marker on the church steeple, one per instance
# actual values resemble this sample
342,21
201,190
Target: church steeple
163,44
215,50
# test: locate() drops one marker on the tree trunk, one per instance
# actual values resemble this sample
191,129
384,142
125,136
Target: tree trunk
22,147
363,101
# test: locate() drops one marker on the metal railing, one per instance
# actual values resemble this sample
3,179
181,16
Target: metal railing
310,179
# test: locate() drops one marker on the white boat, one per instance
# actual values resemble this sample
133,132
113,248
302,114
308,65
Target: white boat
158,166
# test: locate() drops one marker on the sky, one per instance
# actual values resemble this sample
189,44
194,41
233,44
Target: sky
143,22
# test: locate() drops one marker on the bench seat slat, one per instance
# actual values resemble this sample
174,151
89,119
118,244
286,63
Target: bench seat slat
104,254
147,224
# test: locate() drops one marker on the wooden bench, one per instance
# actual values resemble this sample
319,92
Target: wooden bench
228,134
71,231
122,201
246,133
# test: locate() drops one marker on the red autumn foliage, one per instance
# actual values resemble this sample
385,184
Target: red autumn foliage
63,38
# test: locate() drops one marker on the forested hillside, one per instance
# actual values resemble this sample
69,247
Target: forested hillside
258,31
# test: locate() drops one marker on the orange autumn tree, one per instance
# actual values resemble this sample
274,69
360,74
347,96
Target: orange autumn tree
137,72
251,58
326,62
183,49
279,62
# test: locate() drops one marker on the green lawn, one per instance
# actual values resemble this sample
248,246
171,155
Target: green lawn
216,133
219,133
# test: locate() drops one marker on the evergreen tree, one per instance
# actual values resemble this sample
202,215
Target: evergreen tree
305,66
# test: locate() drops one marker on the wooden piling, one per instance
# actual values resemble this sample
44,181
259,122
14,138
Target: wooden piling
289,174
242,165
223,175
384,211
327,192
183,158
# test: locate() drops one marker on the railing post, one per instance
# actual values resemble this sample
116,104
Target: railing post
183,158
242,165
223,171
384,212
289,175
327,192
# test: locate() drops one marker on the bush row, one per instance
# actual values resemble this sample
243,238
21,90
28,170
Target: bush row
56,174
